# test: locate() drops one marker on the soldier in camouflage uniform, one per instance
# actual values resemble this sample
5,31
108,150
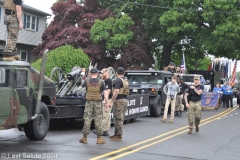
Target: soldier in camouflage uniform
14,23
119,101
193,103
93,106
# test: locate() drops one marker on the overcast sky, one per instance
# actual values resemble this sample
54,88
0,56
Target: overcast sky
43,5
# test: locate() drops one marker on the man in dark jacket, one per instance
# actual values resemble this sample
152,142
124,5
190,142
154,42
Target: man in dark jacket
179,107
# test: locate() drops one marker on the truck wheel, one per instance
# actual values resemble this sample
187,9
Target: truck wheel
37,128
155,106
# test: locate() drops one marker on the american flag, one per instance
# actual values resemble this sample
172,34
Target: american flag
183,66
234,73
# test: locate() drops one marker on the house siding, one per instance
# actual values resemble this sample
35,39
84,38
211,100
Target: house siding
27,39
25,36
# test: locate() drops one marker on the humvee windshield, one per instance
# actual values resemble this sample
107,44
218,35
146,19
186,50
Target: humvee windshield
144,78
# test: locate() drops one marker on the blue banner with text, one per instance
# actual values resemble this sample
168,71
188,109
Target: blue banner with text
209,99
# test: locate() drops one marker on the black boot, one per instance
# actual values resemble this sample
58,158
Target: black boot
176,113
180,114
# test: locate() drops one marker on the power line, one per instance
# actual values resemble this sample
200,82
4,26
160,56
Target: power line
179,9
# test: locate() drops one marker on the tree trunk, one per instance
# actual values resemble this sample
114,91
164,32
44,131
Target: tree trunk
166,54
196,64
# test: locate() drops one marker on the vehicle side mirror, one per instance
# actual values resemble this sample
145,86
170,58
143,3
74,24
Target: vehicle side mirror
2,75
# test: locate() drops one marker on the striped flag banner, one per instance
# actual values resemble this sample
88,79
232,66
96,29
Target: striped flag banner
234,73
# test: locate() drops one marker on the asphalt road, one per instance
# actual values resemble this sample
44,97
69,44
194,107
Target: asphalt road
145,139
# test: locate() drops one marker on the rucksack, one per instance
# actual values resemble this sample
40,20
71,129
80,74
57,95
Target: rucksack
125,86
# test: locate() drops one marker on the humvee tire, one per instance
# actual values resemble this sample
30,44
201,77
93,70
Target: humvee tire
37,128
155,106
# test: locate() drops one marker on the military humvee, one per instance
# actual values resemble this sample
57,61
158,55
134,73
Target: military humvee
151,82
24,96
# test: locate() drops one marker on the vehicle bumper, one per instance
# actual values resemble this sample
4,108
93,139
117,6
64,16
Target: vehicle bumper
71,111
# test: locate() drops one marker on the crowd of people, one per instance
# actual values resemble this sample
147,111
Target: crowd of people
226,94
175,91
101,95
176,70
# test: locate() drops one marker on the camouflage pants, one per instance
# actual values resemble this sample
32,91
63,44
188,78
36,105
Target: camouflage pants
194,113
179,105
12,28
106,120
120,107
93,109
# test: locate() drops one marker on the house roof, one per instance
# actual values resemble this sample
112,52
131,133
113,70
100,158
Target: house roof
31,9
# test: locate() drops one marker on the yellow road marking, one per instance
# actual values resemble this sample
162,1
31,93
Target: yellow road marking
164,139
156,137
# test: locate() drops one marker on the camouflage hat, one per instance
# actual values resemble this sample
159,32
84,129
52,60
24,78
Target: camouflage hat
94,70
197,77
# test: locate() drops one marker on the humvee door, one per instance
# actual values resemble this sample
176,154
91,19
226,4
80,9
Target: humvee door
23,93
6,95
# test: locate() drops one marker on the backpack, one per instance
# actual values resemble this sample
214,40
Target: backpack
125,87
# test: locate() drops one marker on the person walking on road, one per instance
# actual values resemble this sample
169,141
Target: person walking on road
93,106
179,105
119,102
106,120
193,103
171,89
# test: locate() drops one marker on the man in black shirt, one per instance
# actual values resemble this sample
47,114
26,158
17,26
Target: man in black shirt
193,103
14,23
93,106
179,106
120,105
106,120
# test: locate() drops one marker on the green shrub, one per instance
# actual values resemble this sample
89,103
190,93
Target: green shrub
65,57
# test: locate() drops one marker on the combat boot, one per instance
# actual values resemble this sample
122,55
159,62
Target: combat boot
190,131
116,138
84,139
163,120
176,113
11,58
100,140
180,114
197,129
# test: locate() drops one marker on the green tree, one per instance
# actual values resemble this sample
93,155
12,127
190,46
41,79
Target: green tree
211,27
65,57
191,62
115,32
202,27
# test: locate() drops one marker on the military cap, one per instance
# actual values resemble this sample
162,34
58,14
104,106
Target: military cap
120,70
172,64
196,77
94,70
